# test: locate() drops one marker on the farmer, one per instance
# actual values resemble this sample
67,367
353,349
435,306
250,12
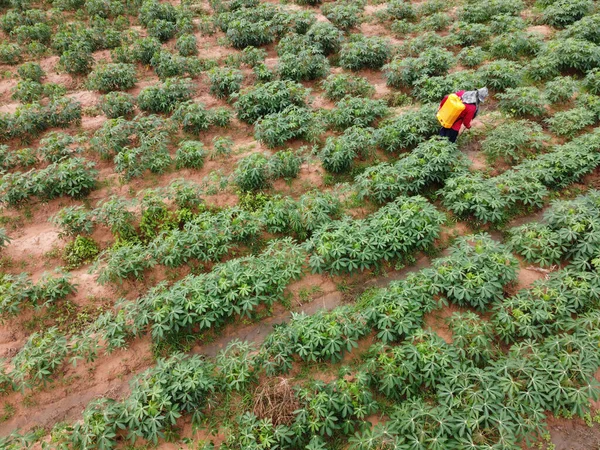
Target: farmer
471,100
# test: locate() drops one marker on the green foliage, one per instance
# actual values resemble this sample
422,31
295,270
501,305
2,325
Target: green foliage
569,231
252,172
302,216
133,162
284,164
323,336
356,111
304,63
568,54
40,356
10,53
4,239
515,45
237,366
122,261
237,286
31,71
472,336
190,154
73,221
592,81
468,34
225,81
294,122
402,226
560,89
561,13
431,162
472,56
475,272
117,104
338,86
548,306
338,153
522,101
486,10
143,49
193,117
112,77
404,72
82,250
431,89
253,56
344,14
115,213
272,97
407,129
568,123
77,59
326,36
56,146
167,64
501,74
186,45
178,385
512,142
165,97
74,177
364,52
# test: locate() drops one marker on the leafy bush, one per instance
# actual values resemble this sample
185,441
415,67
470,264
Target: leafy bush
293,122
326,36
585,29
186,45
194,117
284,164
356,111
431,89
82,250
522,101
165,97
486,10
564,12
592,81
364,52
560,89
472,56
569,122
569,231
337,86
308,63
77,59
143,49
31,71
112,77
117,104
167,64
566,54
400,227
472,336
272,97
514,141
431,162
10,53
74,221
404,72
467,34
408,129
338,153
252,172
323,336
224,81
190,154
344,14
133,162
515,45
501,74
55,146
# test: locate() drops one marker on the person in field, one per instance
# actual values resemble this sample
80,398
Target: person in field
462,109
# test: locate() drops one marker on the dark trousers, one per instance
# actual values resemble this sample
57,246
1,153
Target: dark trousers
449,133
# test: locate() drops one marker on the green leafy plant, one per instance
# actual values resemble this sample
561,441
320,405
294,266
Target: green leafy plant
338,153
186,45
117,104
190,154
364,52
252,172
112,77
344,14
560,89
165,97
347,245
82,250
356,111
512,142
338,86
407,129
73,221
294,122
225,81
568,123
272,97
31,71
522,101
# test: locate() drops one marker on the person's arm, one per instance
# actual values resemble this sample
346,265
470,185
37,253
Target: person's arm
469,115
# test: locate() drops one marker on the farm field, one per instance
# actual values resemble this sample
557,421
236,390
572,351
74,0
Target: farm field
231,224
